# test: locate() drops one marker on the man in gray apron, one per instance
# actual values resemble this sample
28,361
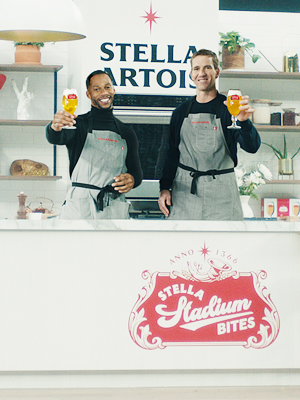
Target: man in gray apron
103,155
198,179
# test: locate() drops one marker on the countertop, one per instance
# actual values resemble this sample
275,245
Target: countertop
55,224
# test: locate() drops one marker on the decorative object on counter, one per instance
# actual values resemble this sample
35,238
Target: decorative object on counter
247,210
277,208
40,209
29,167
24,98
248,179
289,116
285,164
233,50
290,62
28,52
21,213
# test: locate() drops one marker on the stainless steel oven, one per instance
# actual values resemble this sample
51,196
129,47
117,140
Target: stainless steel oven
149,117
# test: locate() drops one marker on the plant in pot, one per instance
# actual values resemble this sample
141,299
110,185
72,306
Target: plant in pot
233,50
28,52
285,163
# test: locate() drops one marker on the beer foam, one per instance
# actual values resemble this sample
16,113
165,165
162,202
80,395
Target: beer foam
69,91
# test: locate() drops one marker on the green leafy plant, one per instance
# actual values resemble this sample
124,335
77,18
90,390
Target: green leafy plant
231,40
38,44
281,155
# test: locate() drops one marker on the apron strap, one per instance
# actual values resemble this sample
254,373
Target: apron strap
102,191
195,174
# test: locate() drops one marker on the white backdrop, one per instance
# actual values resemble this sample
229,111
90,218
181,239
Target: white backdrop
177,26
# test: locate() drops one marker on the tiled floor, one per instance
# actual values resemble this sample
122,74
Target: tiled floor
203,393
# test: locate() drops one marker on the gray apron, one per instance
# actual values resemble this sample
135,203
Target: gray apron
91,195
205,186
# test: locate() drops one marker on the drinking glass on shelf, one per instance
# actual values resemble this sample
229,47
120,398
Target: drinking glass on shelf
70,102
296,208
270,208
233,102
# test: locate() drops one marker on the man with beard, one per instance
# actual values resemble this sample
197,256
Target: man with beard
103,155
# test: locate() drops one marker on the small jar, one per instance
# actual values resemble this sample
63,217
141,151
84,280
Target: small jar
289,116
262,113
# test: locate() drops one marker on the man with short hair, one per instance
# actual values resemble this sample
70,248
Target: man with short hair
103,155
198,179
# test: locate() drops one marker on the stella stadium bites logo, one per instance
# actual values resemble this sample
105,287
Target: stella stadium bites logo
208,303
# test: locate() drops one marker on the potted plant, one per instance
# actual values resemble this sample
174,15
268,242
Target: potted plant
233,50
285,164
28,52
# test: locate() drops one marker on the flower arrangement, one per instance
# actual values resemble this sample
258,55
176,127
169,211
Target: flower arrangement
248,179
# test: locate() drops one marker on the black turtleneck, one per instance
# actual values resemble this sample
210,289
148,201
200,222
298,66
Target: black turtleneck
102,119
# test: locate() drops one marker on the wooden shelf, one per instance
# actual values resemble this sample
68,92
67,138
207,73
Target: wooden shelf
283,182
259,75
30,67
28,122
277,128
28,178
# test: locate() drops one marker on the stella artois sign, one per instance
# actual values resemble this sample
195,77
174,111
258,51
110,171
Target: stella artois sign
206,304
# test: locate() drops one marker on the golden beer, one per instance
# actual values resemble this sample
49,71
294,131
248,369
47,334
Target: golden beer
270,209
233,102
70,100
296,209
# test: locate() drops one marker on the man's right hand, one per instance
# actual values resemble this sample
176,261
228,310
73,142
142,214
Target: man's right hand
63,119
165,201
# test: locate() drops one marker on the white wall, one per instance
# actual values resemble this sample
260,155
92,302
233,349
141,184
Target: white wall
273,34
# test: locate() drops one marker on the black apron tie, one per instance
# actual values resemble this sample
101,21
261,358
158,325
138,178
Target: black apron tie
195,174
102,191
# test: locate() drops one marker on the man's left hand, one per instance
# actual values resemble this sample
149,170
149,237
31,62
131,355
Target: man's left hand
123,183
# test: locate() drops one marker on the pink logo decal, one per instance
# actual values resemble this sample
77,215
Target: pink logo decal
207,304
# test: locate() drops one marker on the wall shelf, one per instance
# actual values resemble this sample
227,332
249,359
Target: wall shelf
29,122
283,182
277,128
259,75
53,69
29,68
29,178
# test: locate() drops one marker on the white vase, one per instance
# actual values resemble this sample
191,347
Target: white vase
247,210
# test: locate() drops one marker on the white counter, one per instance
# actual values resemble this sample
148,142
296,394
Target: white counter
70,293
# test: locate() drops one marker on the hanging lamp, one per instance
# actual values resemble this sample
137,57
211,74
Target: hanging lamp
40,21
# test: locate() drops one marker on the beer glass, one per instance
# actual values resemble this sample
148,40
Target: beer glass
233,102
70,102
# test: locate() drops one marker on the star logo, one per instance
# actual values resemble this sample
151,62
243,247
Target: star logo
204,251
150,16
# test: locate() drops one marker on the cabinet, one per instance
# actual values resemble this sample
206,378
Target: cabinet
277,86
50,69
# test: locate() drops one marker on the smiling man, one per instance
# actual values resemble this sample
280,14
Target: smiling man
103,155
198,179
